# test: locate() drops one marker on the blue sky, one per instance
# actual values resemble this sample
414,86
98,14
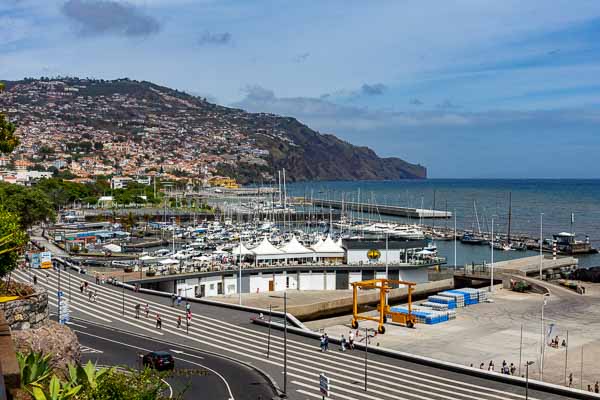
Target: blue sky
468,88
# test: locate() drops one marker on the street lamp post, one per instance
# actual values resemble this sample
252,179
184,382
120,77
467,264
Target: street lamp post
492,259
542,339
123,291
285,343
455,262
269,337
527,364
541,243
59,295
366,352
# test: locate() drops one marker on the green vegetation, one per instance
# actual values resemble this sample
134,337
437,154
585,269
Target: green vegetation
31,205
8,140
87,382
12,240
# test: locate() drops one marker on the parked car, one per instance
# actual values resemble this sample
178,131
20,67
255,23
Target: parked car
159,360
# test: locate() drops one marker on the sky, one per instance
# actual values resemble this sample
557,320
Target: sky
468,88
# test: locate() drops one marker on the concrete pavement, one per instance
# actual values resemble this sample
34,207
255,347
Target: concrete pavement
229,332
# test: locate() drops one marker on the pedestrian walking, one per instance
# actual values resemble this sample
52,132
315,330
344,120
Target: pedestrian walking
343,343
146,309
81,287
481,365
47,276
94,296
322,343
158,321
173,300
597,387
35,279
326,342
179,301
178,321
97,279
570,379
491,366
188,307
351,340
137,311
188,315
590,388
90,294
513,369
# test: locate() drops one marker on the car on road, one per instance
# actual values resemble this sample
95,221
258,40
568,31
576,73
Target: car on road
159,360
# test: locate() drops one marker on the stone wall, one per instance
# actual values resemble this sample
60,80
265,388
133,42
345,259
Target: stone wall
27,313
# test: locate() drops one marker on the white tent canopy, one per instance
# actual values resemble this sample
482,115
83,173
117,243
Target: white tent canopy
147,258
328,248
317,245
294,249
241,250
266,251
169,261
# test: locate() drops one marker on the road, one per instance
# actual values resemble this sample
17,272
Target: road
213,376
230,332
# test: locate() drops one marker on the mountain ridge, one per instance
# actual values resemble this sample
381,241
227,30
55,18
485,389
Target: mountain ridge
261,143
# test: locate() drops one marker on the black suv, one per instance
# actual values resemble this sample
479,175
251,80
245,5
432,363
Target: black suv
159,360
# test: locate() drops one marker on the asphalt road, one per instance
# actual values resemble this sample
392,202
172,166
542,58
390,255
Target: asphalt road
204,375
231,333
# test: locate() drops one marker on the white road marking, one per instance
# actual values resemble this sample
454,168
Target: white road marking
251,338
180,359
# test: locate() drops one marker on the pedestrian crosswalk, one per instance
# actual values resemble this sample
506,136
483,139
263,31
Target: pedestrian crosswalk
304,361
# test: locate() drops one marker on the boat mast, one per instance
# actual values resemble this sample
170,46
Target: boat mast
476,216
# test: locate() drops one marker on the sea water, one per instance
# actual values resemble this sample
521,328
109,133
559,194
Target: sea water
556,199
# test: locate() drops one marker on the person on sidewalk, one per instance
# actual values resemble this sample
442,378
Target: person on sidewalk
158,321
570,379
351,340
137,311
179,301
188,307
326,342
90,294
81,287
343,343
35,279
178,321
322,343
146,310
172,299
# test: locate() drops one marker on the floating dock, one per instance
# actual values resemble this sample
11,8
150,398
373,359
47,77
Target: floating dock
381,209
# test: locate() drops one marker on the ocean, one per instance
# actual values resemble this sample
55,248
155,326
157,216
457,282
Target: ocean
557,199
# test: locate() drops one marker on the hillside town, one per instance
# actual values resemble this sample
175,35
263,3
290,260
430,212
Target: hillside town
85,129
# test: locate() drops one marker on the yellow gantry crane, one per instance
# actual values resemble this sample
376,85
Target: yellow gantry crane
384,309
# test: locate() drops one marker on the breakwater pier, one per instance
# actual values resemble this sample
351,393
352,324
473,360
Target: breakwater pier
381,209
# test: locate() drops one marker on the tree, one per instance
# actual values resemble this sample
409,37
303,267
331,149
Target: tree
12,240
8,140
30,204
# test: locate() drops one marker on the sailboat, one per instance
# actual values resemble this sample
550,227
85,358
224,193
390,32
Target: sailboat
470,237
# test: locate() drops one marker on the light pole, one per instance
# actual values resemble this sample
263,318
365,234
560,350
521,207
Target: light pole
492,260
455,262
285,343
366,352
542,338
541,243
527,364
387,250
269,337
123,291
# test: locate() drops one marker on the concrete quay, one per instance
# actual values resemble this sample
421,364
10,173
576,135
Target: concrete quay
307,305
492,331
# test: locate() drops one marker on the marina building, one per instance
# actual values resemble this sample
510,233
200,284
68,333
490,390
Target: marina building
328,265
